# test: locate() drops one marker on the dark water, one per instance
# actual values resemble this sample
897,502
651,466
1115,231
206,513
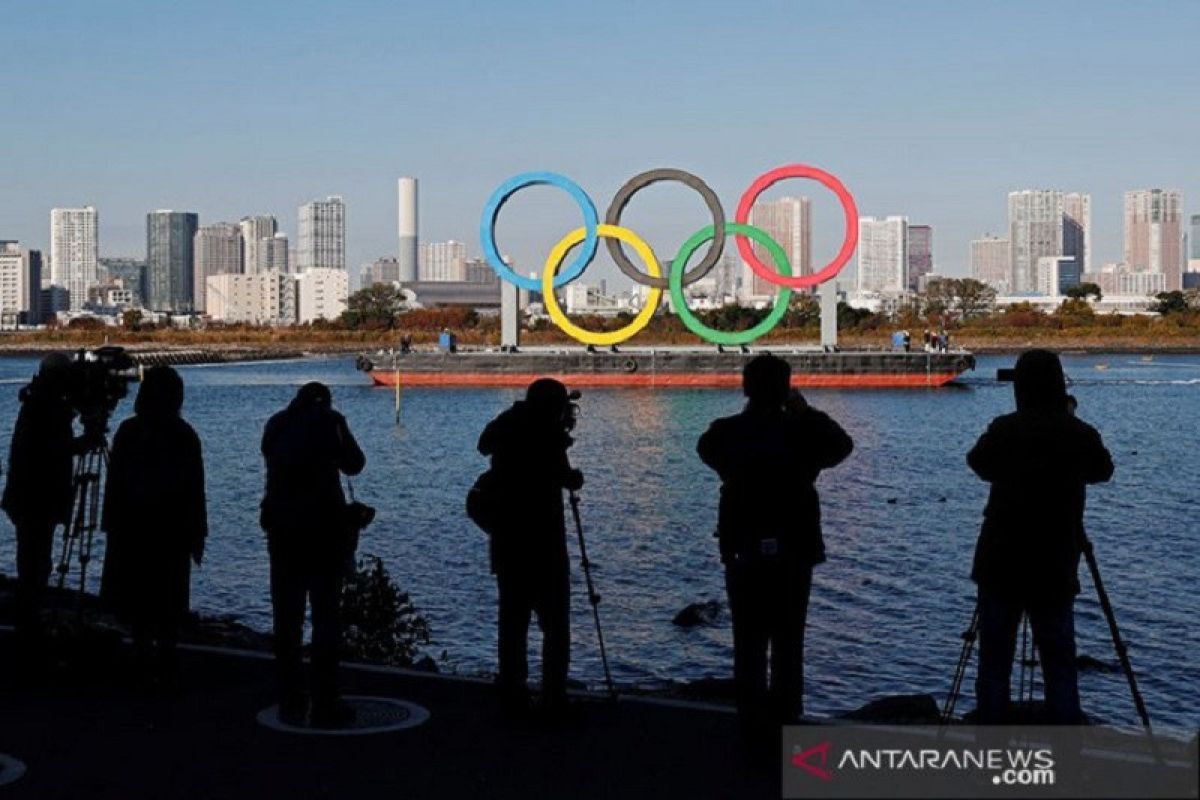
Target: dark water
887,607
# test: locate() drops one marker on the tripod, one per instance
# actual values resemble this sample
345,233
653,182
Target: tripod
593,597
971,634
80,531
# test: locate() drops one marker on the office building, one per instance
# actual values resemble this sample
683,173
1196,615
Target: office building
1056,274
443,261
406,226
322,235
788,221
1077,228
255,230
129,272
991,263
321,294
883,254
20,284
1035,230
218,251
170,261
1154,234
74,252
920,254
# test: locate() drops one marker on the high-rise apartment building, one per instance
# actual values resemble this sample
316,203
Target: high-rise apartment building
443,261
218,251
254,230
1077,228
920,254
406,208
323,234
74,252
1193,264
170,261
882,254
991,263
381,270
20,284
788,221
1035,230
1154,234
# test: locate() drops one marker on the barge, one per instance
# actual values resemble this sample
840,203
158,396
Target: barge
660,368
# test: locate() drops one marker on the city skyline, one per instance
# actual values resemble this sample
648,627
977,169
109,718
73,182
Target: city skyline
498,99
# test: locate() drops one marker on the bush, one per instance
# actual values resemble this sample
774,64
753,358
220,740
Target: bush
380,623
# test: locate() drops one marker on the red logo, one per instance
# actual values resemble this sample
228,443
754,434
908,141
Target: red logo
801,760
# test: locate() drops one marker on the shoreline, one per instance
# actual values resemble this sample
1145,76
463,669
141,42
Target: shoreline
154,352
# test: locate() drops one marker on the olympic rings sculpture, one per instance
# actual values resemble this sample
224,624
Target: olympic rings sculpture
554,275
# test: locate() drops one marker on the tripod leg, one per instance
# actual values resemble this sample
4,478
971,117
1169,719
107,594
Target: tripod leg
960,671
593,598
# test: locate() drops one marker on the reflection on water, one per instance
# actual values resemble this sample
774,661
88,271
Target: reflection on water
901,516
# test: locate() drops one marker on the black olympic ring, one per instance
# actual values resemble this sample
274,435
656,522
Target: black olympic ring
641,181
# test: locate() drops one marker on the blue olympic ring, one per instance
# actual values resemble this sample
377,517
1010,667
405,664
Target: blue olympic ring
487,228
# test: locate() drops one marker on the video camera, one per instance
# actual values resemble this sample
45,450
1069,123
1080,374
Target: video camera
571,415
99,379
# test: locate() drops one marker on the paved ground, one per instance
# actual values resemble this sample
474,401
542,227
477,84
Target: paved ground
101,737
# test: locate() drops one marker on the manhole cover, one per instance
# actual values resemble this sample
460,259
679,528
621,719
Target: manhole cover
372,715
10,769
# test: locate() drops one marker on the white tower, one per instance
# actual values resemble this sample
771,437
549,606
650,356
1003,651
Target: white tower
407,227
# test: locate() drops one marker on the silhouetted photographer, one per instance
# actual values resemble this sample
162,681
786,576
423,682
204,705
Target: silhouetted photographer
1039,461
522,500
39,493
769,528
156,520
311,532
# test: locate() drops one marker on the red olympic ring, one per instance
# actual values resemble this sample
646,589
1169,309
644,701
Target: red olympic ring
769,179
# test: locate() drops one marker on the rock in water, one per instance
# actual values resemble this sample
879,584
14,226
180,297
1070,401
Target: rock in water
705,613
914,709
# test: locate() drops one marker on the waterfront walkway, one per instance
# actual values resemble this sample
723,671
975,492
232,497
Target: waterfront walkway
92,736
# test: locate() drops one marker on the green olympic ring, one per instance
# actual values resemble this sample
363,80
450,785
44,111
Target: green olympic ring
675,282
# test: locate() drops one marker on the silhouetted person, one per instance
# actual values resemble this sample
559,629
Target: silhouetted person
1039,461
528,447
156,520
769,527
307,447
39,492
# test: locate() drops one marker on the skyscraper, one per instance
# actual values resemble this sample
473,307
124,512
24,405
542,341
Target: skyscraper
218,250
74,252
1193,264
131,272
1077,229
170,260
920,254
882,254
443,261
991,263
323,234
788,221
1035,229
1154,234
273,254
407,228
254,231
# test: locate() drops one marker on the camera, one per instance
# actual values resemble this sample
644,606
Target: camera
99,379
571,414
358,515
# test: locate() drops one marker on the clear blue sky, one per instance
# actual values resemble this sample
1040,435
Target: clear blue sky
930,109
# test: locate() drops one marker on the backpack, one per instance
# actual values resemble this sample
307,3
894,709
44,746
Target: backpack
485,502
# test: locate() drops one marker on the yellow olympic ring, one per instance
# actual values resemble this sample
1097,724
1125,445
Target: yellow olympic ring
554,261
